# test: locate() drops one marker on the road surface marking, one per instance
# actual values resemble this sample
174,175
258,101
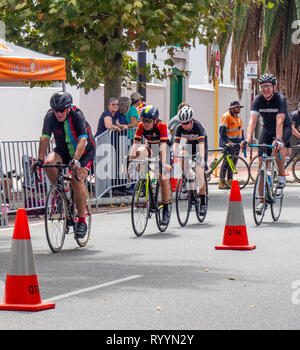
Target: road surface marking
84,290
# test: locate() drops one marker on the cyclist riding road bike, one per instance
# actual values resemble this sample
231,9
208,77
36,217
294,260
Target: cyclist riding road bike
155,132
277,130
193,131
75,145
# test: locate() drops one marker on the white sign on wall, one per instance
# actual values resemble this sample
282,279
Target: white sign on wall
252,69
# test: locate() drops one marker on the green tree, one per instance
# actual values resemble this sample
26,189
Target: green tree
94,35
269,33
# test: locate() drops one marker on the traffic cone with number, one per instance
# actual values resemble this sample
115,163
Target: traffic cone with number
235,233
21,286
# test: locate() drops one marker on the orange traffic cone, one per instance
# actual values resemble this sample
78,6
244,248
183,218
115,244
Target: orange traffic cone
235,233
21,286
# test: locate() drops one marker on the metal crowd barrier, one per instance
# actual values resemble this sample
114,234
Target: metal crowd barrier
19,188
112,150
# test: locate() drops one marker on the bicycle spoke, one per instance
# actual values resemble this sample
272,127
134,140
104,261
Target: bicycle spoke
240,173
259,198
139,208
55,219
183,202
276,204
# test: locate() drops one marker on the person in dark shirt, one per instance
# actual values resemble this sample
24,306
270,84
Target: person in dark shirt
295,119
109,118
277,129
74,145
193,131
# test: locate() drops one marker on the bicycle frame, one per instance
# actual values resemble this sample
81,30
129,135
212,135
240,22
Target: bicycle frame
228,158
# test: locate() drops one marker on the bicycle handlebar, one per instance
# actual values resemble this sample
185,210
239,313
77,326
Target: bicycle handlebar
59,165
264,145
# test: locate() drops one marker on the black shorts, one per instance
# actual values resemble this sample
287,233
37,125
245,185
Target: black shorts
86,161
268,137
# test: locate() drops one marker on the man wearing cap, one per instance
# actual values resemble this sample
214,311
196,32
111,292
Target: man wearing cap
231,131
295,119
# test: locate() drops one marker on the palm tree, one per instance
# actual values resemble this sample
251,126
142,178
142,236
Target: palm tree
263,32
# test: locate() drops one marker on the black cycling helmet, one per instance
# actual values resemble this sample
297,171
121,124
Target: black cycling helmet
149,112
267,78
61,100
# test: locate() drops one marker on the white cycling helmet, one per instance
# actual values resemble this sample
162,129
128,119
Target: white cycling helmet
185,114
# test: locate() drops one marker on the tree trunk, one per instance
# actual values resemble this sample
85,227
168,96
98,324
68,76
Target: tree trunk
112,81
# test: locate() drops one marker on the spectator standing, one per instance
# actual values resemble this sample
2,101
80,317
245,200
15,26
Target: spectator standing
295,119
231,131
132,116
109,118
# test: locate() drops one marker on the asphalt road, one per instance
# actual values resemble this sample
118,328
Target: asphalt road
172,280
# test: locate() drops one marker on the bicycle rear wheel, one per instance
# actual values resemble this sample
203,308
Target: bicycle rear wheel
140,206
276,204
183,201
201,217
82,242
296,168
259,198
55,219
159,212
242,174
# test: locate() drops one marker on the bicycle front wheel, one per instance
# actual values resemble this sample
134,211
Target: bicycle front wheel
82,242
259,198
55,219
159,212
254,167
296,168
183,201
140,206
241,172
276,203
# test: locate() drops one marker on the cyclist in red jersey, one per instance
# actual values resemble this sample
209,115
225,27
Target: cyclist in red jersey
155,132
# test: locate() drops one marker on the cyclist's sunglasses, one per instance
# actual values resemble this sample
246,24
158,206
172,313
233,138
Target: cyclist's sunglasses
147,120
187,123
266,87
60,110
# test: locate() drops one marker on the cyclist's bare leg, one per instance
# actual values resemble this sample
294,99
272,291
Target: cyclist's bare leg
280,162
200,179
79,191
52,158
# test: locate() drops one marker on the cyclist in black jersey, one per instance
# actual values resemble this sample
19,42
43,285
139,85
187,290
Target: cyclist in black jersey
277,130
74,145
193,131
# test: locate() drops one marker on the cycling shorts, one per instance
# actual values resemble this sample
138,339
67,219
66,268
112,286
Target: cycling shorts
268,137
86,160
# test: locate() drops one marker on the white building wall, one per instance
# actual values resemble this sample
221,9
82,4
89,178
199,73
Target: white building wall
23,109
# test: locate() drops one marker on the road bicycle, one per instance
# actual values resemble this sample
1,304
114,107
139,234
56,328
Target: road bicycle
238,166
61,212
265,188
294,161
187,192
147,198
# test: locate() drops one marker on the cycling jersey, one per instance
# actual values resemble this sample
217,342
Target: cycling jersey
67,133
159,133
196,135
269,109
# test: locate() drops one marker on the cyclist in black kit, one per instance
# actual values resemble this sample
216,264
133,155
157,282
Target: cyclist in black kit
74,145
196,144
277,130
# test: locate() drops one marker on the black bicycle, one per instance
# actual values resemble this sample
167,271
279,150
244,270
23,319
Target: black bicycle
61,212
147,198
187,193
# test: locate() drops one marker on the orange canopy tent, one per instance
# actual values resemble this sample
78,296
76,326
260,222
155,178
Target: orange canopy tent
20,64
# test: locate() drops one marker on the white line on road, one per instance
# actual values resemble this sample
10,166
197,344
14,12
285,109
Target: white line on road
80,291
